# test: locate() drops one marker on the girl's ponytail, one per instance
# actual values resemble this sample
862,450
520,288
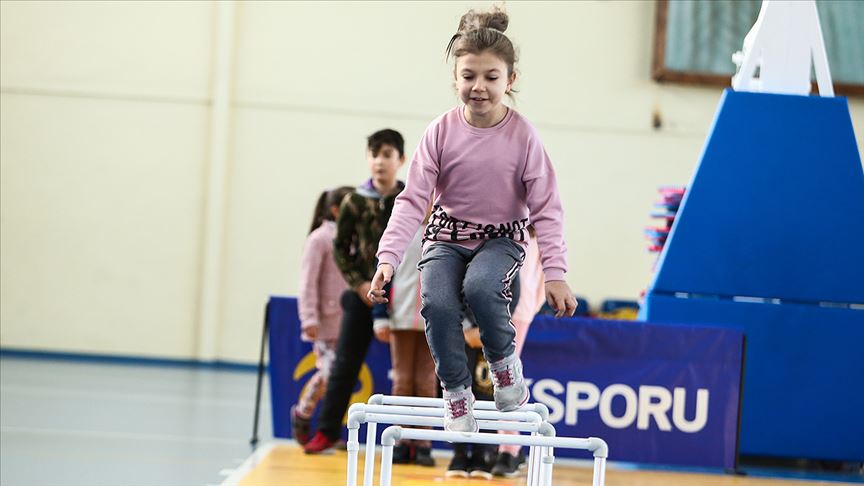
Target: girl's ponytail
327,200
321,211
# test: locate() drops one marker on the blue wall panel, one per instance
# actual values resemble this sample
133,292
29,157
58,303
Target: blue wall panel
803,374
776,207
775,211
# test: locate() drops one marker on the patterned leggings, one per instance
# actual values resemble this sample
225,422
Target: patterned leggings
325,354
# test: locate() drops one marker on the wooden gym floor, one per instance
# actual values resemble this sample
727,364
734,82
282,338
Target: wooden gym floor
283,463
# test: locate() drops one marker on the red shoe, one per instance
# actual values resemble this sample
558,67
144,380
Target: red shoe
320,443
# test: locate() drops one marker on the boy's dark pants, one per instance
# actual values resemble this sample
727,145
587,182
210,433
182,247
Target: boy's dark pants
354,340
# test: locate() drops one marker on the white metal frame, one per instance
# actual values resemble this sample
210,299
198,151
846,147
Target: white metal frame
597,446
379,399
429,412
784,43
539,408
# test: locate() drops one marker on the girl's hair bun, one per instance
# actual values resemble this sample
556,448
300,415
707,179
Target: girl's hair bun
495,19
482,31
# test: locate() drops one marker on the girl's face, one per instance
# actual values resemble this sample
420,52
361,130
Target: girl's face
482,82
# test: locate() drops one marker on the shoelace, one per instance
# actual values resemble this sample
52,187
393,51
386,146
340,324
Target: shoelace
504,377
457,408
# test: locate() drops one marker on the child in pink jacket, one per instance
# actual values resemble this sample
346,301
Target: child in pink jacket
321,285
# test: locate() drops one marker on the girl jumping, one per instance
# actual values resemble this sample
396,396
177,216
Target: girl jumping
486,170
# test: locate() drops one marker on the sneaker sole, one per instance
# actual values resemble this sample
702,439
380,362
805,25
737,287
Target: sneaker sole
456,474
481,474
521,403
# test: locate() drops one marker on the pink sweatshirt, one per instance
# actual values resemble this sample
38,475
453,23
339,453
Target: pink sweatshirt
321,284
485,183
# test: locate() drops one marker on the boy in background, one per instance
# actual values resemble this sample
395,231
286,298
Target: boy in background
363,216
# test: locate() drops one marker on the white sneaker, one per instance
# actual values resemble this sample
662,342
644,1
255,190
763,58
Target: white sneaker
511,392
459,411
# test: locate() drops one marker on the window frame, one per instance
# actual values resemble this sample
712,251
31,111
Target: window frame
662,74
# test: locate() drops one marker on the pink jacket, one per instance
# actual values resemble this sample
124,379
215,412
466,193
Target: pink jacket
321,284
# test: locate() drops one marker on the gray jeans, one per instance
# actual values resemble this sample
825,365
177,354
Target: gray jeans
452,276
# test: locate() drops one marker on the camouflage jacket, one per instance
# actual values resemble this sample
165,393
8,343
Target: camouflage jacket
363,217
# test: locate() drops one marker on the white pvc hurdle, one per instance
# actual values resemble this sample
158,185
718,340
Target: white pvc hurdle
533,459
529,421
379,399
597,446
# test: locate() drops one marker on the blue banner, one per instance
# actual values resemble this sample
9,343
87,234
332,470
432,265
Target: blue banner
662,394
292,363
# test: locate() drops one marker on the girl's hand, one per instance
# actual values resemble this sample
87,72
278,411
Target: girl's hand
310,332
383,334
363,291
381,278
560,297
